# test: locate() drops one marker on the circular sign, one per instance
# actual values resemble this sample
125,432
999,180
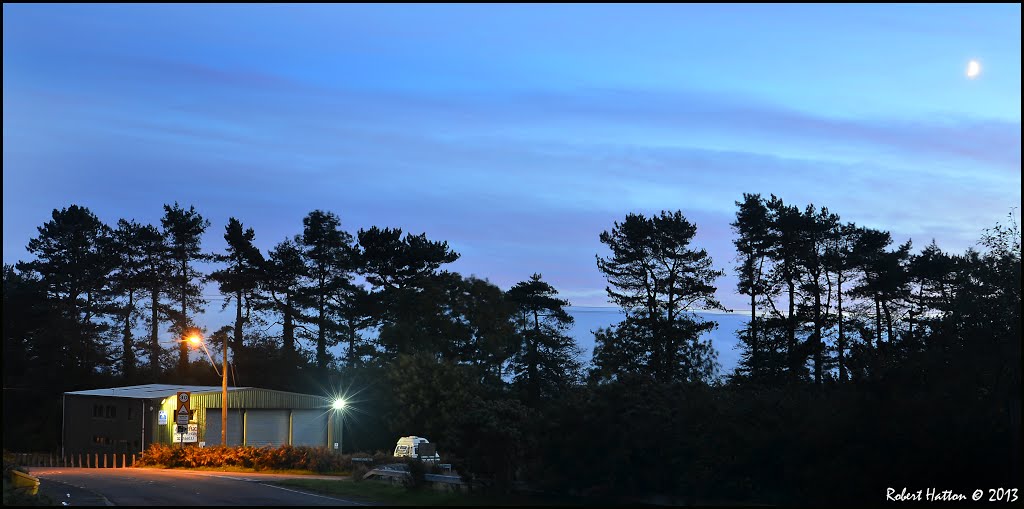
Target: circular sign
183,397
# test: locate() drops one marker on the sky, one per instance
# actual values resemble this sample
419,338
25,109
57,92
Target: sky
517,133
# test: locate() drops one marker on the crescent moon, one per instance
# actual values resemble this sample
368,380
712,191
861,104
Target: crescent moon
973,69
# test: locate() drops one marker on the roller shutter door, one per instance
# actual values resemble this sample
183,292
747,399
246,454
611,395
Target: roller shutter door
212,436
309,427
266,427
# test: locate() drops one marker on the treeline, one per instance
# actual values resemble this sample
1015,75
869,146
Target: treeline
834,302
379,293
863,363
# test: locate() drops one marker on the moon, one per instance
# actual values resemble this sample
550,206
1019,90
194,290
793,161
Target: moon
973,69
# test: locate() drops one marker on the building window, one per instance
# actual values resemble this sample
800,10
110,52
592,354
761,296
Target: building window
129,413
97,410
111,412
98,440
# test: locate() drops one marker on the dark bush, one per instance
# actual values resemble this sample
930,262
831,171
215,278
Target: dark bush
286,457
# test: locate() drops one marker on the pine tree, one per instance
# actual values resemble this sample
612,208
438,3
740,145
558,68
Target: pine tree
546,359
243,275
183,231
657,280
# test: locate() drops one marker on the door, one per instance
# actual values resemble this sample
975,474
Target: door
212,435
266,427
309,427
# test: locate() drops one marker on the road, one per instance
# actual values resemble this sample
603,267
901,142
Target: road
149,487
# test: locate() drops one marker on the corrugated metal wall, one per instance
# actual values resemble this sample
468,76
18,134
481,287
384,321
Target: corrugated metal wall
259,398
239,401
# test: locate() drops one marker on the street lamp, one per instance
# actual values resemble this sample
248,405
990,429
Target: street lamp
197,340
339,407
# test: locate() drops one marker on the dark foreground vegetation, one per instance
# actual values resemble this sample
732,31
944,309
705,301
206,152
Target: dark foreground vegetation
865,365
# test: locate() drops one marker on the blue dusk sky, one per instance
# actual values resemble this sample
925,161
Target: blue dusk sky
517,133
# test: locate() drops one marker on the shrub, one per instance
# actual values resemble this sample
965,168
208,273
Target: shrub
417,475
286,457
359,471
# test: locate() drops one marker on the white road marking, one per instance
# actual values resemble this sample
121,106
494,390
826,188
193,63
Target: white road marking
312,494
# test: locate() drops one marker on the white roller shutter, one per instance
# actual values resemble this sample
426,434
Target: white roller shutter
266,427
212,435
309,427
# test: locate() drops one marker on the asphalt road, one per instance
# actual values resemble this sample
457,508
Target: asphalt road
149,487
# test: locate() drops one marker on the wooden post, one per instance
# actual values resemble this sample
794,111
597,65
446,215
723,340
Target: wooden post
104,460
133,459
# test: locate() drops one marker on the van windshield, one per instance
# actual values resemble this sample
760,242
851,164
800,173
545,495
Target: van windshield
401,449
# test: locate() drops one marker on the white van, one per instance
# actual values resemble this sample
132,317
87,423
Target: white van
416,447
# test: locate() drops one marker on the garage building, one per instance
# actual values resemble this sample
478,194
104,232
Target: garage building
127,419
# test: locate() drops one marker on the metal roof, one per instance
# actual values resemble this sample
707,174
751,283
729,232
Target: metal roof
151,391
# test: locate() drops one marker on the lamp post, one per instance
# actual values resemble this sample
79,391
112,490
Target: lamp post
339,408
197,340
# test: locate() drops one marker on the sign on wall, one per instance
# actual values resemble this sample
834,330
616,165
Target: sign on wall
161,417
191,436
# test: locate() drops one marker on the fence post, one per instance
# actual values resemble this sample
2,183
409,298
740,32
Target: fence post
124,460
96,463
133,459
104,460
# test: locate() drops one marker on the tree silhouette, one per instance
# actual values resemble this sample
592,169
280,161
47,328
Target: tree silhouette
328,253
242,277
73,262
657,278
183,231
546,359
753,246
409,290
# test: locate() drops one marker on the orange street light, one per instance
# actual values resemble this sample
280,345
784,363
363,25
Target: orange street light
196,339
